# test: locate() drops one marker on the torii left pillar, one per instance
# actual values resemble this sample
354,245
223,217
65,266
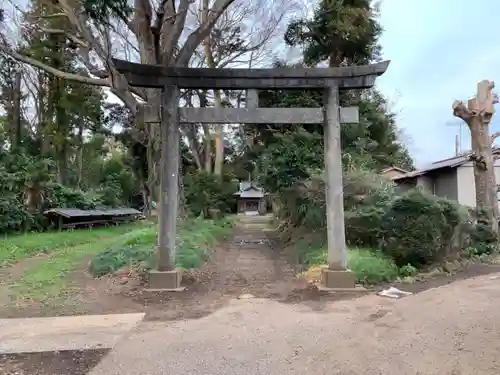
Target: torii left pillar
168,277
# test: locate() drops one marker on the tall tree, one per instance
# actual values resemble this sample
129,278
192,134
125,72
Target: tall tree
11,99
152,32
241,36
342,32
477,114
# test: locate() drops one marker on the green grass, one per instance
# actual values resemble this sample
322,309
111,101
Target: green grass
369,266
17,247
195,239
47,278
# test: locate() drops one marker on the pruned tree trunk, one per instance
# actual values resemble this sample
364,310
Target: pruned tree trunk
477,115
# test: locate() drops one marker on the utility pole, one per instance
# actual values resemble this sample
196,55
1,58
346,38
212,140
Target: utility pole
458,137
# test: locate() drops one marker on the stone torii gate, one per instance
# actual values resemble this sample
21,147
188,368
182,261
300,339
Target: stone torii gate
171,80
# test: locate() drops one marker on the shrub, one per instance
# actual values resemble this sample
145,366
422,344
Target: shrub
371,267
364,226
13,215
418,228
367,196
408,271
67,197
204,191
114,259
482,238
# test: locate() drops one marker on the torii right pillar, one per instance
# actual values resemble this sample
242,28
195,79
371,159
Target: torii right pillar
336,276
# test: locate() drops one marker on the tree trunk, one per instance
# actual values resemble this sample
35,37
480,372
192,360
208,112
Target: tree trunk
477,115
219,128
16,134
79,156
146,198
207,145
482,165
43,143
61,136
152,175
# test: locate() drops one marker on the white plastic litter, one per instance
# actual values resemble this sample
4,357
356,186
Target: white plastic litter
246,296
393,293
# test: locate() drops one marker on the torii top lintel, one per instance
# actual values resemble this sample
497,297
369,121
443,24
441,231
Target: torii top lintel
350,77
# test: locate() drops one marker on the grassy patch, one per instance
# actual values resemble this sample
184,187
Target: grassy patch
46,278
17,247
369,266
195,239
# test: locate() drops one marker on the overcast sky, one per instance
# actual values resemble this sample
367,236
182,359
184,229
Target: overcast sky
439,50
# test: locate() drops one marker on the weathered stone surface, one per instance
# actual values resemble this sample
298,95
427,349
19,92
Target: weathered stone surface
338,279
31,335
350,77
348,115
165,280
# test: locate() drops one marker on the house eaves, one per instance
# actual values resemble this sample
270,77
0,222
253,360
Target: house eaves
453,162
447,163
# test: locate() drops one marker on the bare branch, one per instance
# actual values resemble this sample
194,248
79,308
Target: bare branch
68,35
58,73
174,30
494,136
196,37
461,111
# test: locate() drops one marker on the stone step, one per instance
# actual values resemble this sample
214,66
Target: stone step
30,335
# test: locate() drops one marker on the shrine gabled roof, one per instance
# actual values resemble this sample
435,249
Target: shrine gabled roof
248,189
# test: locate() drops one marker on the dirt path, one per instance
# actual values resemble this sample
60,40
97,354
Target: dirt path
449,330
250,263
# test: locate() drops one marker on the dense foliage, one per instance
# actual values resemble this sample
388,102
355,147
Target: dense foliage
206,191
419,228
413,230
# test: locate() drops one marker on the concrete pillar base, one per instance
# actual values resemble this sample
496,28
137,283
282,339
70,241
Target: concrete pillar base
165,281
338,279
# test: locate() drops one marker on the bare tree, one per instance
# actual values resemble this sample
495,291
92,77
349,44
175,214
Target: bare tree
247,31
154,33
477,114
